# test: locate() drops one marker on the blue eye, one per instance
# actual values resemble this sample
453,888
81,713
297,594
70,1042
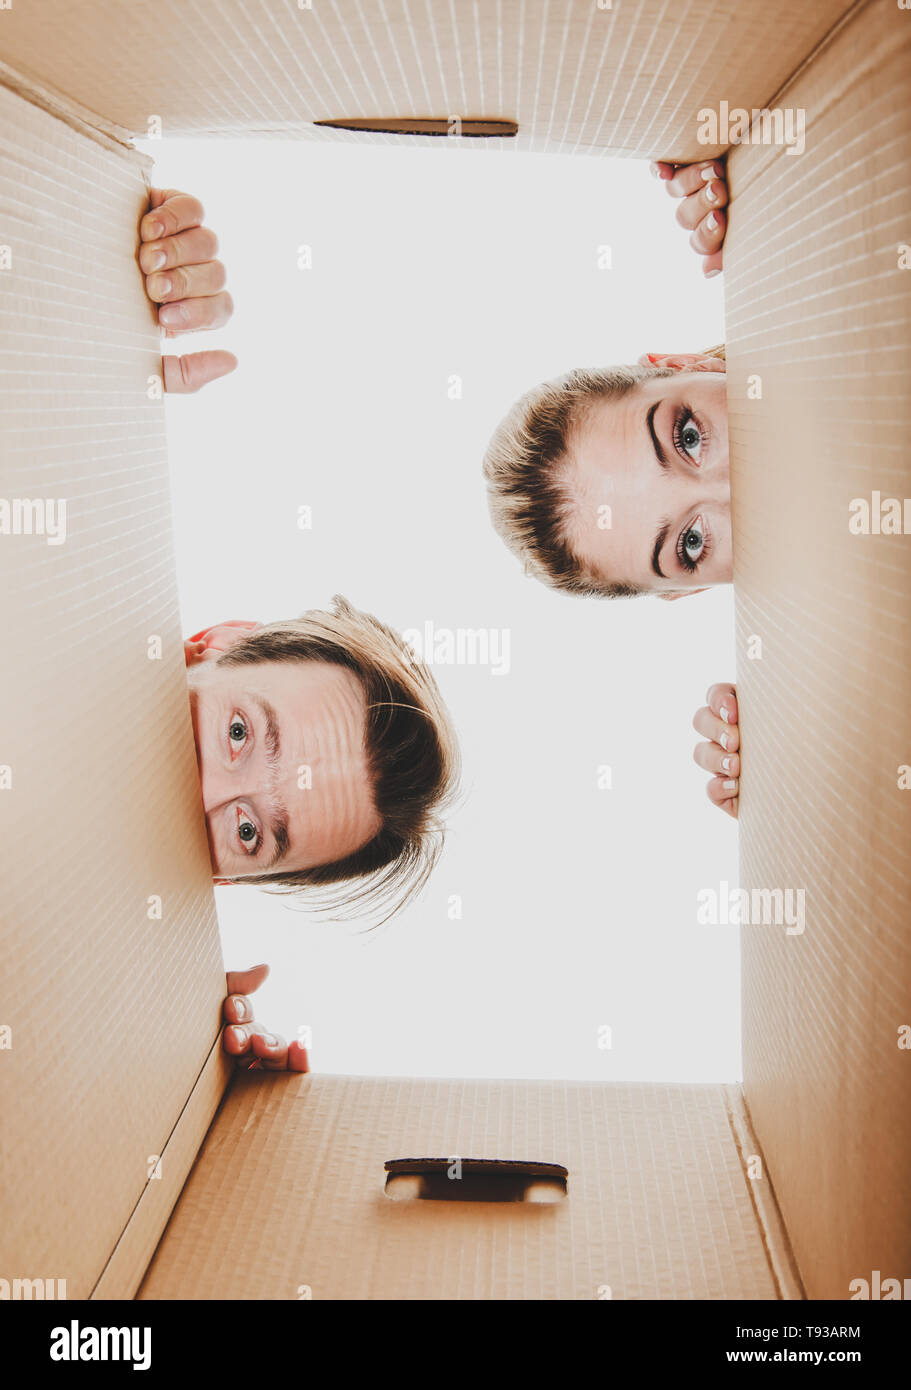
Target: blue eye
237,733
692,545
688,437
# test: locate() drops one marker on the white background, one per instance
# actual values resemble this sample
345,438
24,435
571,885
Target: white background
578,905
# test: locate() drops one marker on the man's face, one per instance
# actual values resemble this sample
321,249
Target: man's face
284,775
659,459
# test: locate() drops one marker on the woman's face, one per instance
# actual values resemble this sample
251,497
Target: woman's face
658,459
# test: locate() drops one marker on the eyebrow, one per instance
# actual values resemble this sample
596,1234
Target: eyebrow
659,546
279,822
660,455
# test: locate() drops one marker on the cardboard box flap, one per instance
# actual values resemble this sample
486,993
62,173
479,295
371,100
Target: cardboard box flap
818,344
578,76
110,944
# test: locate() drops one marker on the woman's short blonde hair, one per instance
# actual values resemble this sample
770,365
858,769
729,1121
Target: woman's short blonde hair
411,748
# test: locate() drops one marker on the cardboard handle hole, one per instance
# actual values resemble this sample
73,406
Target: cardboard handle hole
474,1180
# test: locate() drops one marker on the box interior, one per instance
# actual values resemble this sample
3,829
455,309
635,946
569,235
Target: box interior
109,926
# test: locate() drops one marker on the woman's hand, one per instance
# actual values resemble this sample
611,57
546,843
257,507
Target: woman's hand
717,720
704,191
183,278
251,1046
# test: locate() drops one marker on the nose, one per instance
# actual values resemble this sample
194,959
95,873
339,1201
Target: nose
713,477
217,784
709,486
717,483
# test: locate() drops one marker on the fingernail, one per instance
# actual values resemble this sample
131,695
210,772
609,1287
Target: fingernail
653,170
724,714
240,1035
731,786
710,273
154,230
724,742
707,173
173,313
156,260
726,764
711,195
269,1040
711,222
160,284
240,1008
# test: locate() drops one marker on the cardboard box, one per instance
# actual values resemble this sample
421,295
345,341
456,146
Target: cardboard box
799,1182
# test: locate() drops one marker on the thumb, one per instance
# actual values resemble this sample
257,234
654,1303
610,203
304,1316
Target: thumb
184,375
246,981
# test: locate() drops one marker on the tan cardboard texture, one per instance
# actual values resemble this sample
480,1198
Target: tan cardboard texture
577,77
102,806
109,940
819,311
292,1174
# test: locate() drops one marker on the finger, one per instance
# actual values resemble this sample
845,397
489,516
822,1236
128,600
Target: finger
192,315
708,724
186,282
184,375
238,1009
722,700
271,1050
709,235
224,635
298,1059
712,265
175,213
689,178
188,248
246,981
724,794
709,198
237,1041
711,758
660,169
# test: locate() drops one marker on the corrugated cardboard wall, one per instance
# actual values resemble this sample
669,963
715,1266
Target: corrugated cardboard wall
288,1195
627,77
113,1011
819,308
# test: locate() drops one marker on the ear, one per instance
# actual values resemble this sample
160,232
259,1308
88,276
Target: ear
681,593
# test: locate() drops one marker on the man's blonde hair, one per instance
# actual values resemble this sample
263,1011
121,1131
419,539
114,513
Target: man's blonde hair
411,748
528,499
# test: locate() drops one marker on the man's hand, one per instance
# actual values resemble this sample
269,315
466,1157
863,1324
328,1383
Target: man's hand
704,190
209,644
182,276
251,1046
717,720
